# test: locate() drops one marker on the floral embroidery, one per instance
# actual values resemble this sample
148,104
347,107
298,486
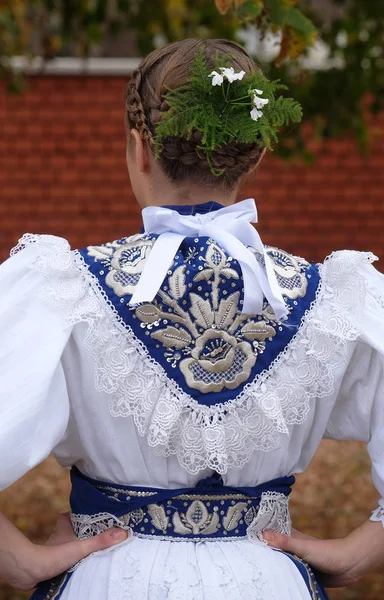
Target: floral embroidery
218,361
208,516
126,262
216,346
202,330
290,272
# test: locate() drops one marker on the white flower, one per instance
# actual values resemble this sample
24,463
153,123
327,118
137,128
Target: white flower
217,79
255,114
226,73
259,102
230,74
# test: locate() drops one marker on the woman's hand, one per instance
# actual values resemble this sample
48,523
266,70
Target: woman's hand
23,564
342,561
331,557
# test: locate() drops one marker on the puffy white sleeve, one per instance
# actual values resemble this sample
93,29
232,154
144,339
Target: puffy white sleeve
34,406
359,410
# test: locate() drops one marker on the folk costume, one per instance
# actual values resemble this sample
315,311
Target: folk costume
182,415
185,374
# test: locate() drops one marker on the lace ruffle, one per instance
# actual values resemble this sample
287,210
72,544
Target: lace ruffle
223,436
272,515
378,514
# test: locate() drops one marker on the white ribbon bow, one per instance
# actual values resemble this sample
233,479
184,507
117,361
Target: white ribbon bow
231,228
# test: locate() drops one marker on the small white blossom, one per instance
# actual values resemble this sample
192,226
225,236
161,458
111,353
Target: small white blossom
256,114
230,74
226,73
217,78
259,102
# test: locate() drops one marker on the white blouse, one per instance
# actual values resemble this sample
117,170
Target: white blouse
73,384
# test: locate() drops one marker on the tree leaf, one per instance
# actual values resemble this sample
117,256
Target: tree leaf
257,330
202,311
250,9
284,46
204,275
293,43
171,337
148,313
277,12
227,311
223,6
176,282
299,22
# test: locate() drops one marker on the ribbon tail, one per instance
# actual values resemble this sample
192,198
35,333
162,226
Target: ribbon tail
253,292
275,298
156,267
268,279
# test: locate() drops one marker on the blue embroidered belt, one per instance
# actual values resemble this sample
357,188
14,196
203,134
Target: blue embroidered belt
207,511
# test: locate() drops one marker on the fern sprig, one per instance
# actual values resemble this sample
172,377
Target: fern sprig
221,113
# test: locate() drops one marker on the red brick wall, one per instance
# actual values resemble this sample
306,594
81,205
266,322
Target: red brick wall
62,171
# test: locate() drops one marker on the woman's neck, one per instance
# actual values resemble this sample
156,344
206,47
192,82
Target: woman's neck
188,194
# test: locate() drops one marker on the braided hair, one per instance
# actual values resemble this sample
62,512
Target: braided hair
181,159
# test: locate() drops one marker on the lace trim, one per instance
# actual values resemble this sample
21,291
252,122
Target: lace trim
226,435
87,526
272,515
378,514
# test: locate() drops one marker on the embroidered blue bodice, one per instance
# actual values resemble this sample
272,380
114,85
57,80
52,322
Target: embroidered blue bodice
194,328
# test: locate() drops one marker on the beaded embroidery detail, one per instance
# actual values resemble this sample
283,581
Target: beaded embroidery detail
193,516
196,317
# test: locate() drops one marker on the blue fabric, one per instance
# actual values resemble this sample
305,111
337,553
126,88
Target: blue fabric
89,496
53,589
195,209
192,255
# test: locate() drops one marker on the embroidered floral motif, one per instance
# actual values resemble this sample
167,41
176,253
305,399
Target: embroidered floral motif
126,262
200,518
218,361
196,520
219,345
289,272
205,336
158,517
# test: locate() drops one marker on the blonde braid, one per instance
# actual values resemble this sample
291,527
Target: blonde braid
135,109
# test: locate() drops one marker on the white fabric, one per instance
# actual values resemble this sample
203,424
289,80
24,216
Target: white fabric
231,228
49,402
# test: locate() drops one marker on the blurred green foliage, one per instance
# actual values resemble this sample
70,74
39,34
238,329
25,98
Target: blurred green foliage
336,97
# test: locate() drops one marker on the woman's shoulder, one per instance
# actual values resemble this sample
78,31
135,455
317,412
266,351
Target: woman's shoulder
45,267
36,240
351,275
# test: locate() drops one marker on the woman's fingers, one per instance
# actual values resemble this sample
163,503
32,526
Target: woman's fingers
57,558
64,531
328,556
299,534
